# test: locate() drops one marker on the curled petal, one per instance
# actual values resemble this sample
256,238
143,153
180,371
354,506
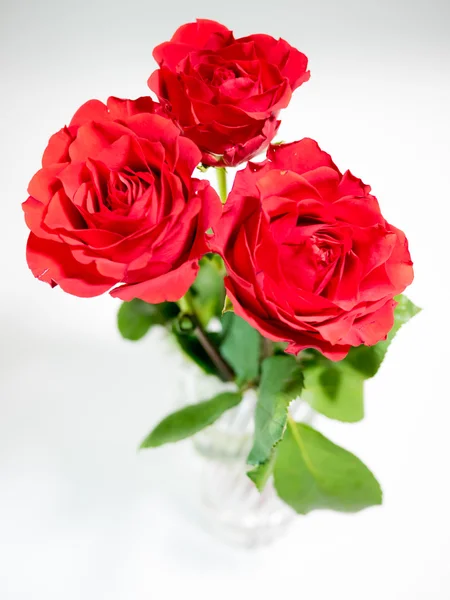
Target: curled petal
166,288
54,263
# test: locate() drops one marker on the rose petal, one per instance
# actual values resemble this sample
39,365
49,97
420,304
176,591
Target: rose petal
169,287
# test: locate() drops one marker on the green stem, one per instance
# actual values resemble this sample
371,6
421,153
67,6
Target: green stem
184,305
221,173
187,306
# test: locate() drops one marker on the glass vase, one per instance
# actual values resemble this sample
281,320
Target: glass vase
232,507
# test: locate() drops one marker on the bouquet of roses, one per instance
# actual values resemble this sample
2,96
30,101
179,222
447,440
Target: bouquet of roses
290,283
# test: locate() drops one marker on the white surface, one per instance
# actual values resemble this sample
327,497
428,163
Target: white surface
82,514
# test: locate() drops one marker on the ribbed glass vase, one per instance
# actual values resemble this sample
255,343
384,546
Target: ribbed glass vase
232,507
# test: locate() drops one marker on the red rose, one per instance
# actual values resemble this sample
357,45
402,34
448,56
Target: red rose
310,259
226,93
115,203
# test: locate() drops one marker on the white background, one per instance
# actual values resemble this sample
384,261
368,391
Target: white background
82,514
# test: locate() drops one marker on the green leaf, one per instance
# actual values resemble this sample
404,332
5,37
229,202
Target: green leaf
281,382
193,349
367,359
191,419
335,390
280,347
261,473
330,380
312,473
241,347
136,317
208,291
